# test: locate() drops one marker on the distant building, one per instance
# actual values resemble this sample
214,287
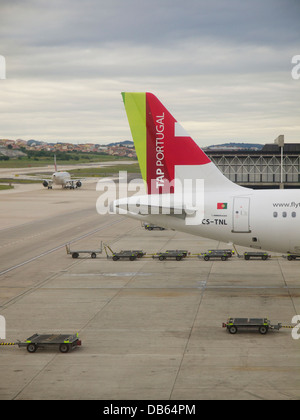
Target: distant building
260,168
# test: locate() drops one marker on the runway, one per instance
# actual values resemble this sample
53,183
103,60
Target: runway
149,329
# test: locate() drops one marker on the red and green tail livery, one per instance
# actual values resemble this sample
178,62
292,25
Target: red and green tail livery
161,143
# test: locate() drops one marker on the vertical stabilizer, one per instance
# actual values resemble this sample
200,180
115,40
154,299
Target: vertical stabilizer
55,167
165,150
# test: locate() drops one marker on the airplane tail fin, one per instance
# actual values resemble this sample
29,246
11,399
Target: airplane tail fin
165,150
55,166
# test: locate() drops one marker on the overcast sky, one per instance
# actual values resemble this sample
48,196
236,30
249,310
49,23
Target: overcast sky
222,67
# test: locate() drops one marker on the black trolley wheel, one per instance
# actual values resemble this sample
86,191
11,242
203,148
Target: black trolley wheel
178,258
223,258
206,258
263,329
161,258
264,257
247,257
75,255
115,258
232,329
132,257
64,348
93,255
31,348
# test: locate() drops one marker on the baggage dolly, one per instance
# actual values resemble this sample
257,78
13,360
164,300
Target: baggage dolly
177,254
130,254
184,252
64,342
93,253
214,254
262,325
228,252
292,257
149,226
263,255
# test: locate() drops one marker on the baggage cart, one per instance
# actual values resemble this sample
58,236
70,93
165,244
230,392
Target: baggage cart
75,253
184,252
262,255
128,254
65,342
150,226
229,252
262,325
214,254
292,257
124,254
177,254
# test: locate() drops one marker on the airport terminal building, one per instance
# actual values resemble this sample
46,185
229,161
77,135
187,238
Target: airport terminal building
270,167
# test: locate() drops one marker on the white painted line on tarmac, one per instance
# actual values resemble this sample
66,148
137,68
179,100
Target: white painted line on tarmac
58,247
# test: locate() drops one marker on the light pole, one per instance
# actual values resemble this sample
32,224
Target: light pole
280,142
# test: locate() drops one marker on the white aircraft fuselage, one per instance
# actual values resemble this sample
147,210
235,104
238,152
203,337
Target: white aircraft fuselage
169,159
262,219
61,178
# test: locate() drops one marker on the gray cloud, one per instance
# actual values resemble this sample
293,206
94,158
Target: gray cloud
224,67
94,22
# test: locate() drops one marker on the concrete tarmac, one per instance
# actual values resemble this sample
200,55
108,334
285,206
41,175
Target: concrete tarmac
149,329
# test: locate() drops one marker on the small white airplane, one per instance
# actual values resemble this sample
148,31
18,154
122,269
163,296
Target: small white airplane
61,178
209,204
